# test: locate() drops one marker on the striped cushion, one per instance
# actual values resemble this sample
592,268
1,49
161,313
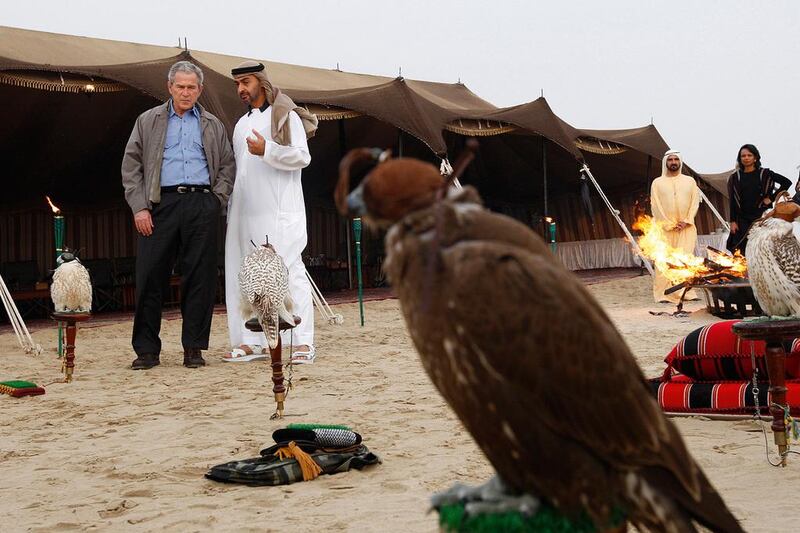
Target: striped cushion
714,353
683,395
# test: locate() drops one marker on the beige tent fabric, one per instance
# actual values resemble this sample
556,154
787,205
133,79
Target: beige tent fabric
421,108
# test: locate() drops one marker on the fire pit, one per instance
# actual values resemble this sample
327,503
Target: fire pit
722,276
730,300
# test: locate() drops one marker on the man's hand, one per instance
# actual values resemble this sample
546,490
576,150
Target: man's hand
734,227
143,222
766,201
256,146
680,226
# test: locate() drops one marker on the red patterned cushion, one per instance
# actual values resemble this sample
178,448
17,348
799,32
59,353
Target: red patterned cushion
683,395
714,353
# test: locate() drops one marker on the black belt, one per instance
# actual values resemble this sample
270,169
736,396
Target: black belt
183,189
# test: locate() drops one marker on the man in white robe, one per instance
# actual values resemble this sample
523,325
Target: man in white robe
270,145
674,198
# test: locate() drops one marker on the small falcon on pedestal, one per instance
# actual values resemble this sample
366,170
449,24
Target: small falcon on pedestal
71,290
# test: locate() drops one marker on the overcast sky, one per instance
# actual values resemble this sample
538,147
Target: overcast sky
712,74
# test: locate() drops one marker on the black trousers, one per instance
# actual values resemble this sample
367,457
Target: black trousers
184,227
738,240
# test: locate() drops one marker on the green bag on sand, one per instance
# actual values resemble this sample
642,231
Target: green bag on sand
300,454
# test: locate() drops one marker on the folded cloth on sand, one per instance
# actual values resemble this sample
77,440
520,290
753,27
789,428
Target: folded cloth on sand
301,453
270,469
18,388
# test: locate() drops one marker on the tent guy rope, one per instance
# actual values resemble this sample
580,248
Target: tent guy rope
20,329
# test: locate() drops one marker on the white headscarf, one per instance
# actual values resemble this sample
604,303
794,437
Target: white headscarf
664,161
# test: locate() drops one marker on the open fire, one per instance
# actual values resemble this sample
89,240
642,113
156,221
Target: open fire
684,269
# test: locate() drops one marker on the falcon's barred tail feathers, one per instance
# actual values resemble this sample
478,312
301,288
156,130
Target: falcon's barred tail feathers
264,286
544,383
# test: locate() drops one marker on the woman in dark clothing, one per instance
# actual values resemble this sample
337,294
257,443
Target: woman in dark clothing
751,190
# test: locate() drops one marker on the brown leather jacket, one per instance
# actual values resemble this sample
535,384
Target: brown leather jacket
141,164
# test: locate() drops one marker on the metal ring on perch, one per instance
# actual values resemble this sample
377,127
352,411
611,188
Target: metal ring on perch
276,362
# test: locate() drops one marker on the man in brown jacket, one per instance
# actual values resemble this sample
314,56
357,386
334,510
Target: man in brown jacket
177,171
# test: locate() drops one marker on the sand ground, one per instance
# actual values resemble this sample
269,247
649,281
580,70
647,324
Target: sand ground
120,450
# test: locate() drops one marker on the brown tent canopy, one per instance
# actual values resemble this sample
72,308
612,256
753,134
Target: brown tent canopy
74,100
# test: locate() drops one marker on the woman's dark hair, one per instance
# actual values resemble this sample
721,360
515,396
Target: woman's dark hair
753,150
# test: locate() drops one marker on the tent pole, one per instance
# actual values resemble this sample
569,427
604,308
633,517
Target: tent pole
399,143
342,152
544,173
588,173
724,222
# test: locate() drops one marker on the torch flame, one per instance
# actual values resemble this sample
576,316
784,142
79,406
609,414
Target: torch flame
677,265
55,209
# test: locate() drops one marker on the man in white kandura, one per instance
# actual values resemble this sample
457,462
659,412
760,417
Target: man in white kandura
270,145
674,198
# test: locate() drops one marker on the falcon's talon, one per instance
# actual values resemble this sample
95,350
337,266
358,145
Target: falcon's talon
493,497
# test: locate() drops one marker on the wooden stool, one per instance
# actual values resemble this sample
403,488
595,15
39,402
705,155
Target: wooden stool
71,320
276,361
773,332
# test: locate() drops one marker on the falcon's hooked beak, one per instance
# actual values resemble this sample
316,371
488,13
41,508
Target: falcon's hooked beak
355,207
355,202
65,257
787,210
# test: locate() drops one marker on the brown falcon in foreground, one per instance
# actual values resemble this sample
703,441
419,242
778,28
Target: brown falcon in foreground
773,261
527,358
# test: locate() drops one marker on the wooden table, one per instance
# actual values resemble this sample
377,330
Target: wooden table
276,361
773,332
71,319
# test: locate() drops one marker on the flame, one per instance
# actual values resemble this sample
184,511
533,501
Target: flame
677,265
55,209
736,263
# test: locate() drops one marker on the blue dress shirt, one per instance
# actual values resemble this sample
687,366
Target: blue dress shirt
184,158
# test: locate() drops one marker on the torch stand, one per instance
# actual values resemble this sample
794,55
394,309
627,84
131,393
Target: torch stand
357,234
773,332
58,240
276,361
71,319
